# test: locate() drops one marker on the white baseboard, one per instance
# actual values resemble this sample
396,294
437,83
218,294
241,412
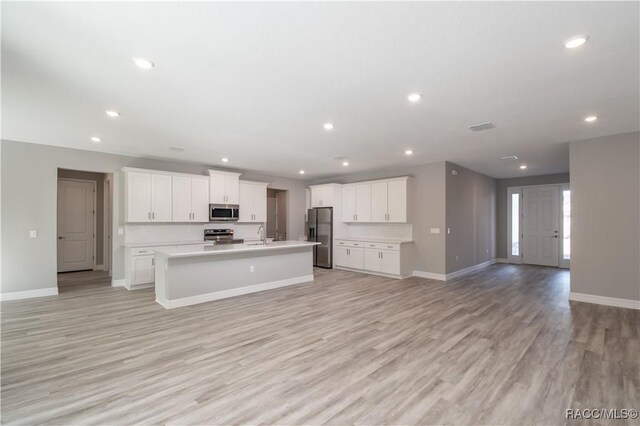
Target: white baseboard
29,294
118,283
430,275
362,271
603,300
99,268
502,260
223,294
470,269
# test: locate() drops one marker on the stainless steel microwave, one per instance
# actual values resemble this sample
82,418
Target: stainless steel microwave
224,212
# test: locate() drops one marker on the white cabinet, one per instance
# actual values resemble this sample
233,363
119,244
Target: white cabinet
307,203
224,187
356,202
142,270
324,195
349,257
389,259
190,199
389,200
253,201
149,197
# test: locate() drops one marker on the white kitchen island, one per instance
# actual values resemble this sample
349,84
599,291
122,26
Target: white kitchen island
198,273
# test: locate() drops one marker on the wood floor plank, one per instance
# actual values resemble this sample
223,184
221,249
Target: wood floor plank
347,349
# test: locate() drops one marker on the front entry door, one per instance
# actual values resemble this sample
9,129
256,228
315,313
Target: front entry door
540,225
75,225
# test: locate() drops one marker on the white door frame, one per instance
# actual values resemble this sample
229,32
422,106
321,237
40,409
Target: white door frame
95,205
106,223
518,190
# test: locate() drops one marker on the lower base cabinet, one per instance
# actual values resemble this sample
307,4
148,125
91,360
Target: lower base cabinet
393,259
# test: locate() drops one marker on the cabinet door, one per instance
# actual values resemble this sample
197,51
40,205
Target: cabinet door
143,270
379,202
260,203
161,198
232,189
349,203
138,197
181,199
363,202
390,262
356,258
200,200
327,196
307,204
397,201
341,257
217,189
372,260
316,197
246,202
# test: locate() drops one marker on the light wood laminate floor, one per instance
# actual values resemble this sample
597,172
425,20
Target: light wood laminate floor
501,346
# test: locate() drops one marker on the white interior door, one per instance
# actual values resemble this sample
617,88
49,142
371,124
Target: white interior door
76,227
540,225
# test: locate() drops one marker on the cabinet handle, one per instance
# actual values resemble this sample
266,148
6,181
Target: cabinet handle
356,218
153,261
381,255
153,215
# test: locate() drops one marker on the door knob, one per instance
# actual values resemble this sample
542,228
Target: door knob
61,238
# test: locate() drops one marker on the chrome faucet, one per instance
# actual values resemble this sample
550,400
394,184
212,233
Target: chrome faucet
263,237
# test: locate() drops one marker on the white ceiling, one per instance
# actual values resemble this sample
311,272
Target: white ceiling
256,81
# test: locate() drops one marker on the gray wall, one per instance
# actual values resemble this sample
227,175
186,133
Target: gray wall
427,209
605,216
98,178
29,187
471,217
501,206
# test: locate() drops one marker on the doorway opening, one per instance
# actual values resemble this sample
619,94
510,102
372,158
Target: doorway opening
84,201
277,214
539,225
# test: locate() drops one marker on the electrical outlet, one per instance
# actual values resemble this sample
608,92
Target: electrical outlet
435,230
33,234
252,268
457,258
120,231
448,230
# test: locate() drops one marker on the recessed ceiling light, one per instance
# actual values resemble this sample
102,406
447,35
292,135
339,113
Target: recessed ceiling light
111,113
414,97
408,152
575,41
345,163
591,118
144,64
523,166
301,172
328,126
225,160
96,139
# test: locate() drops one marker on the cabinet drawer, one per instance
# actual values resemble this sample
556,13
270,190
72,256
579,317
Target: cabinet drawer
345,243
382,246
142,251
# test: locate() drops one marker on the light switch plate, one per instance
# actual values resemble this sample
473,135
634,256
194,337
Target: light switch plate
33,233
120,231
435,230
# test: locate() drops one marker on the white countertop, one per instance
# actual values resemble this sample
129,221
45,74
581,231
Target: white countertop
175,243
202,250
376,240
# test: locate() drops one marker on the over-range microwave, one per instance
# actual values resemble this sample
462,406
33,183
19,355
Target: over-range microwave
224,212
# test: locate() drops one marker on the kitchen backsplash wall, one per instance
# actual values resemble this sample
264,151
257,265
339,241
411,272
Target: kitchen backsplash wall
183,232
376,230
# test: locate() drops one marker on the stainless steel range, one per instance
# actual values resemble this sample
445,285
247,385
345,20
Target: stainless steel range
221,236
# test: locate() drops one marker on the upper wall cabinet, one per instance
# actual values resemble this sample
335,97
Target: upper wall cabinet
149,196
253,201
307,203
190,199
356,202
224,187
156,196
389,200
325,195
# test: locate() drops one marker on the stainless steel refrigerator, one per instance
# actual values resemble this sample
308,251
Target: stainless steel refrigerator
320,229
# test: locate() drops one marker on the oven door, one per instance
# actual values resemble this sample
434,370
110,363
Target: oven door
223,212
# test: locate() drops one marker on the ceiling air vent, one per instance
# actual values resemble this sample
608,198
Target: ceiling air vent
509,157
482,126
176,149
